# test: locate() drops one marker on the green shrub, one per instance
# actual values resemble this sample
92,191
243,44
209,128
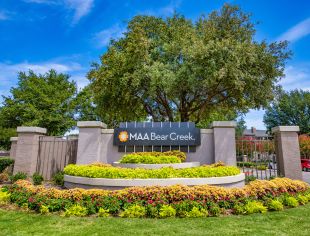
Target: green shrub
303,200
196,212
76,210
275,205
238,209
261,167
4,197
167,211
249,178
215,210
290,201
245,164
37,179
134,211
5,162
151,211
148,159
58,178
177,153
44,210
166,172
254,207
103,213
17,176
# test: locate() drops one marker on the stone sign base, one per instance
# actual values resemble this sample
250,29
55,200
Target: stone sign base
113,184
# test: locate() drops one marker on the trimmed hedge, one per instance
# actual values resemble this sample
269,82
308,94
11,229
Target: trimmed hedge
149,159
5,162
93,171
176,153
168,201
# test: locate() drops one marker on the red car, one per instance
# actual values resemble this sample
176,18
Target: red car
305,164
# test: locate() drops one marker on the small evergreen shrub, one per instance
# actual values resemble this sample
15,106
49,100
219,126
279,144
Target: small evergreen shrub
238,209
167,211
149,159
214,210
254,207
5,162
290,201
58,178
44,209
103,213
196,212
18,176
76,210
4,197
303,200
134,211
275,205
37,179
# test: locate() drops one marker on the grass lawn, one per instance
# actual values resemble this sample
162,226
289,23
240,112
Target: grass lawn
289,222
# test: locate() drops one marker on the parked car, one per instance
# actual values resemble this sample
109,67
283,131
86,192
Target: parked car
305,164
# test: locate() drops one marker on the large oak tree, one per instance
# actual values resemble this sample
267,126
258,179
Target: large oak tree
174,69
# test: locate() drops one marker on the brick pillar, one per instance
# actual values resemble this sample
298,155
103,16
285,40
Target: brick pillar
27,149
287,151
89,144
224,141
13,147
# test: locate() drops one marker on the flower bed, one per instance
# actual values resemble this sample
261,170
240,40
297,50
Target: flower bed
94,171
155,201
149,159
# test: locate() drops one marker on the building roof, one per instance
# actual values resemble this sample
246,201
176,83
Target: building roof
255,132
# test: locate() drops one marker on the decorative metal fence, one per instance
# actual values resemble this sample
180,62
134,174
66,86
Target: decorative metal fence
256,158
54,154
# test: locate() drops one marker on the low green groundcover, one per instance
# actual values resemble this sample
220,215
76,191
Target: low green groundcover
149,159
94,171
258,196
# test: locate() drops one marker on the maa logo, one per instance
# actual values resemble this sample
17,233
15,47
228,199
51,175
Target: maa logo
123,136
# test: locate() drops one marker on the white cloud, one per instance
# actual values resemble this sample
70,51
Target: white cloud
80,8
296,77
297,32
103,37
9,71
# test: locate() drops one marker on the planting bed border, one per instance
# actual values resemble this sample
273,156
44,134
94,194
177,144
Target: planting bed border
113,184
157,166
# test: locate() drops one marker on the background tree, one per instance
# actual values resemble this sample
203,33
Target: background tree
174,69
289,108
47,101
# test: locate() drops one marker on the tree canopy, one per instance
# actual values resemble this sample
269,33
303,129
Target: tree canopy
289,108
174,69
47,100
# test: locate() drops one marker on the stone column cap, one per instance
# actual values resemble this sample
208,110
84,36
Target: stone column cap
223,124
285,129
13,139
91,124
31,129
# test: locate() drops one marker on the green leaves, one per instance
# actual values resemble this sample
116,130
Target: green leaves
178,70
289,108
47,100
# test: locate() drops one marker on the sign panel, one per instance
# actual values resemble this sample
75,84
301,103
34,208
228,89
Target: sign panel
165,134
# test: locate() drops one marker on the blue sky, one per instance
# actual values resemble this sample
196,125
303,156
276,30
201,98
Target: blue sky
68,35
